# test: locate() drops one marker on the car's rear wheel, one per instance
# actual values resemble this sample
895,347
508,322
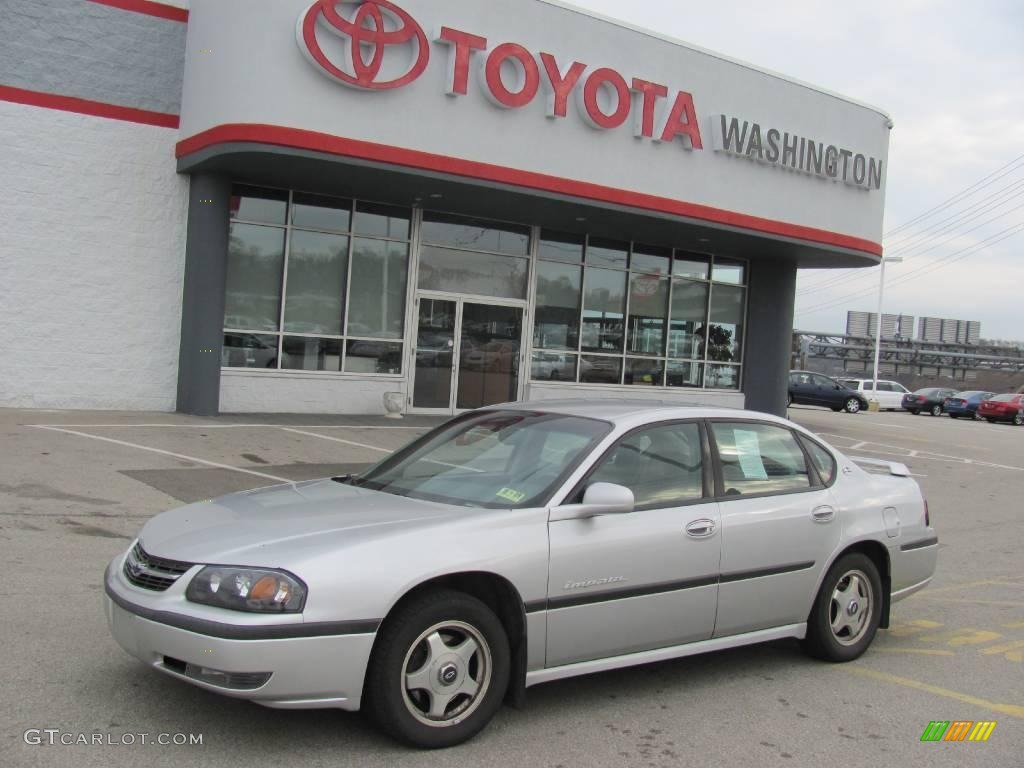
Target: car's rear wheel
846,611
1019,418
936,410
439,671
990,421
852,405
912,412
789,400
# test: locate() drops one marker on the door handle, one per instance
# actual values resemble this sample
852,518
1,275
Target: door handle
823,514
700,529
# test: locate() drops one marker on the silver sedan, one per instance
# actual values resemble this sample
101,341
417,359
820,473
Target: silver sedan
520,544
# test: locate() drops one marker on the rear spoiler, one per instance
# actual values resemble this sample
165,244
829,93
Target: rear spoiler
895,468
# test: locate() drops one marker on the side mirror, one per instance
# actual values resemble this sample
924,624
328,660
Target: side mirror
599,499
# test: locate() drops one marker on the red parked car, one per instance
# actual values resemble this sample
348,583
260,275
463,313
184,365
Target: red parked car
1003,408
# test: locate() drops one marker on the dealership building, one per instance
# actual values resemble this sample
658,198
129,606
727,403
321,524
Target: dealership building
297,206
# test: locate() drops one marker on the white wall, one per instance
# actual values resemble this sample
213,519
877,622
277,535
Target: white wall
677,396
244,391
92,238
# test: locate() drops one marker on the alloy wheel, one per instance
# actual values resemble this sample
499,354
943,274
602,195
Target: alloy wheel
1019,418
446,674
852,406
850,608
936,410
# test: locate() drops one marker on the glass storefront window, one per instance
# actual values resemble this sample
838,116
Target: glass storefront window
684,373
604,305
377,293
248,350
688,317
312,244
333,214
549,366
305,353
725,333
555,246
651,260
317,269
381,221
475,234
729,271
481,274
557,320
373,357
607,253
600,370
723,377
255,265
265,206
645,372
692,265
648,305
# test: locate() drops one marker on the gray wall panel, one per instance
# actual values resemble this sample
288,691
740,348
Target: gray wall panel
90,51
769,335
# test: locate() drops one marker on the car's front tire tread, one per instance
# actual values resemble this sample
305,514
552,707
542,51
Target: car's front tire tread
383,697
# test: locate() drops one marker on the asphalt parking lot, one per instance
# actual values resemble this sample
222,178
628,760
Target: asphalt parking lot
75,487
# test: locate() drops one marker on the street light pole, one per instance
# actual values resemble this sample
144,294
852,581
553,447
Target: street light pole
878,318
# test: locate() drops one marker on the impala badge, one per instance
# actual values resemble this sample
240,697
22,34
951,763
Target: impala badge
593,582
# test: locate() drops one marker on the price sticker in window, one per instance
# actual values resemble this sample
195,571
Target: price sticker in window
511,494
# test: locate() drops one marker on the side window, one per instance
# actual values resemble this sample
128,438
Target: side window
885,386
661,465
823,460
759,458
823,382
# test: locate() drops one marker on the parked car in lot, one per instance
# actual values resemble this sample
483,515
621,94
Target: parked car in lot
520,544
928,400
889,395
965,404
1003,408
808,388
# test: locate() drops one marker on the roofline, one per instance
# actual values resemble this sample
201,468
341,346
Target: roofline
721,56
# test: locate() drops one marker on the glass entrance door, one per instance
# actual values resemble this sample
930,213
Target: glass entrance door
467,354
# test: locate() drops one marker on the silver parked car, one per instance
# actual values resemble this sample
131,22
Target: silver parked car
520,544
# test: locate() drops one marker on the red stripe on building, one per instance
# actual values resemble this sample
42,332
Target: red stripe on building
409,158
160,10
86,107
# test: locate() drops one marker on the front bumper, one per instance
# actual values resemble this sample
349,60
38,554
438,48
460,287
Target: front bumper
304,672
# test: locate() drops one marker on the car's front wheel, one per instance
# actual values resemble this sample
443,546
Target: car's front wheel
852,405
439,671
1019,418
936,410
846,611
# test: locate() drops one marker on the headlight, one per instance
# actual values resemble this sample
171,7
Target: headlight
257,590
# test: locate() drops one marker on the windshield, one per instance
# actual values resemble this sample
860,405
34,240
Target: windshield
493,459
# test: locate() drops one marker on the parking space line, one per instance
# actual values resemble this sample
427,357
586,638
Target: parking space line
921,651
973,601
181,456
930,455
337,440
1013,710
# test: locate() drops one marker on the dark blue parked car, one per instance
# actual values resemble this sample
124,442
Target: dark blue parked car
965,403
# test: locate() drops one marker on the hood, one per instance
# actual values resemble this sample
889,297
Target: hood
273,526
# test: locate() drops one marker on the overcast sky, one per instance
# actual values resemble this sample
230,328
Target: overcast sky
952,77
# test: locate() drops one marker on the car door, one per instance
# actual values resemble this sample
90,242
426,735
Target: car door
885,395
622,583
779,526
825,391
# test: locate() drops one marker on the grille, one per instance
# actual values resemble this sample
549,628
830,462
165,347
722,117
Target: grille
239,681
149,572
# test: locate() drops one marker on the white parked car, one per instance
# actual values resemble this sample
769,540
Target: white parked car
520,544
889,395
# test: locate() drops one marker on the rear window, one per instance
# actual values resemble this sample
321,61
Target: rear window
759,458
850,383
926,392
822,460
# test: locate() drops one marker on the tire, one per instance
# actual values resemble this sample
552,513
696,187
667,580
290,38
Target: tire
852,405
833,633
418,645
1018,420
990,421
953,416
936,410
789,400
913,413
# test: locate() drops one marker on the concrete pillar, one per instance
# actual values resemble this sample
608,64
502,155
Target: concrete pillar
772,293
202,311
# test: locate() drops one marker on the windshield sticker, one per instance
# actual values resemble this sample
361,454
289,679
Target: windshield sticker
511,494
749,451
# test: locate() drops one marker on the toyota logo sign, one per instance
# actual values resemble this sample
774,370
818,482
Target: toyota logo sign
362,36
